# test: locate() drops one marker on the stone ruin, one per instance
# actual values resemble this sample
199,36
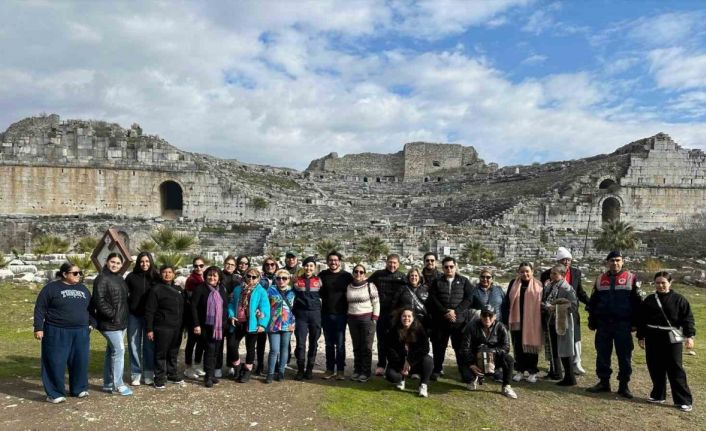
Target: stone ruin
78,177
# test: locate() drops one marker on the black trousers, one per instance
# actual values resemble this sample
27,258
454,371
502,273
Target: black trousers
261,342
503,360
211,347
362,336
440,335
234,344
523,361
166,352
194,349
424,368
308,326
664,361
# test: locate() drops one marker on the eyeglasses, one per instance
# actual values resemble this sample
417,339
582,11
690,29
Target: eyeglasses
448,266
251,277
270,264
485,277
430,260
281,278
244,263
229,264
75,273
617,259
201,265
358,272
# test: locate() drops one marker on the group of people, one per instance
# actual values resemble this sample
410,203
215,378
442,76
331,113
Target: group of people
220,307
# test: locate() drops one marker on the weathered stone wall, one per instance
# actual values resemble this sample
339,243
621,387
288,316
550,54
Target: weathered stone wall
422,159
365,165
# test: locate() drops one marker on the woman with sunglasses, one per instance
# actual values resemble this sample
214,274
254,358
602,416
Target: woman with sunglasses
111,308
242,264
209,312
281,325
193,352
269,268
139,283
231,278
61,323
363,313
249,312
487,292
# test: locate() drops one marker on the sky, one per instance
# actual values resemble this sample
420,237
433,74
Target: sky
284,82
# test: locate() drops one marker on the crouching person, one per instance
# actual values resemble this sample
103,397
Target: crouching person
408,351
485,345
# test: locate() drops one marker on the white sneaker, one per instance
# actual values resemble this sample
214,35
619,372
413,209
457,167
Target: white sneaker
686,408
149,381
400,385
135,382
190,373
82,394
218,374
231,372
532,378
518,377
473,384
655,400
423,390
56,400
508,392
199,371
579,370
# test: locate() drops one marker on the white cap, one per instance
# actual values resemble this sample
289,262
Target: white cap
563,253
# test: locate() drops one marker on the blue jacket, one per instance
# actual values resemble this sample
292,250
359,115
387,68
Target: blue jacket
258,301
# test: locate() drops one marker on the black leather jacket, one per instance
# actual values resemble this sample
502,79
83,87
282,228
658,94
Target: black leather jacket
110,301
473,337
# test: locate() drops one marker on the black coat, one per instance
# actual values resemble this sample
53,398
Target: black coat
389,285
164,307
397,352
473,337
416,299
109,301
199,303
138,286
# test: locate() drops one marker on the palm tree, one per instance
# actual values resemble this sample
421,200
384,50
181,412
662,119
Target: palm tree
475,253
616,235
47,244
372,247
86,244
325,246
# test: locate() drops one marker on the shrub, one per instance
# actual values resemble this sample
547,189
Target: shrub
86,244
48,244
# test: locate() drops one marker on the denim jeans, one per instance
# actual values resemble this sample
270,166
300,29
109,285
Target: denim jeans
279,351
334,326
114,359
141,349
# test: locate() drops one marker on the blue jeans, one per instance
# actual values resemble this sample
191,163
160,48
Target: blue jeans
141,349
334,326
279,351
62,347
114,359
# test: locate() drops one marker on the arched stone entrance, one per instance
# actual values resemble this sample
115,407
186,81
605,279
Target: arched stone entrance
172,199
610,210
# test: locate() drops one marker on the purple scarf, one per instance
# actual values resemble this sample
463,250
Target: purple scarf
214,312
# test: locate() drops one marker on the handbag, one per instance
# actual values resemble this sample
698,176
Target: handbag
676,336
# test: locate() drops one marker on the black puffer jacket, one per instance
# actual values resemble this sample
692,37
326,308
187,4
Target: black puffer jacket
455,296
473,337
397,352
109,301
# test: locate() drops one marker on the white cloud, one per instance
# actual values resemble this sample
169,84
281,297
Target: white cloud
534,59
677,69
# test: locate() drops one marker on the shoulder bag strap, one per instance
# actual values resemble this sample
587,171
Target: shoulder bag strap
659,303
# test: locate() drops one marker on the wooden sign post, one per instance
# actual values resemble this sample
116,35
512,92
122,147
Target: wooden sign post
110,243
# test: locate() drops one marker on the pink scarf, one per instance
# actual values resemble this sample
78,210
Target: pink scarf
532,324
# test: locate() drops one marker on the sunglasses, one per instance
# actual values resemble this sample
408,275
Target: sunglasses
201,265
485,277
229,264
281,278
430,260
75,273
358,272
448,266
252,277
270,264
243,263
486,316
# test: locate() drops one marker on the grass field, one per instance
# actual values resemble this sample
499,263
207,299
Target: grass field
377,405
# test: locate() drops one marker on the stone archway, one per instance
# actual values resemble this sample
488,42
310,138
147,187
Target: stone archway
610,210
172,199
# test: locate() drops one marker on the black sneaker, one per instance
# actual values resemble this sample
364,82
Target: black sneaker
269,378
624,391
601,386
434,376
300,375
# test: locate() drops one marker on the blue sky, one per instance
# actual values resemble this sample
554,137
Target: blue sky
284,82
